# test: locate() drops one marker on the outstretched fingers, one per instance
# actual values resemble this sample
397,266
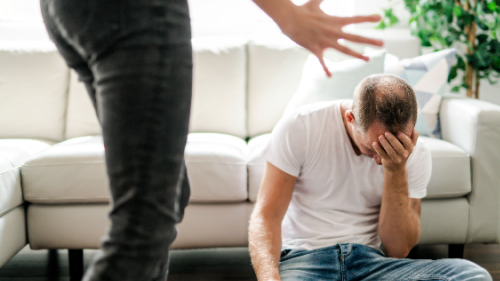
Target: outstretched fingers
348,51
359,19
323,64
361,39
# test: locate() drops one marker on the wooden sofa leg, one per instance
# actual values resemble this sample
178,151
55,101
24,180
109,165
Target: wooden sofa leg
75,265
456,251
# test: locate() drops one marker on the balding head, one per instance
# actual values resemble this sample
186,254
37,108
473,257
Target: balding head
386,99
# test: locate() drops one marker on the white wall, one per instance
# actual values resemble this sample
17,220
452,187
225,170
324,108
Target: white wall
242,17
20,20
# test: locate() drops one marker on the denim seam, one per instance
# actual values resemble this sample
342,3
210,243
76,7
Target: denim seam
341,262
304,253
424,277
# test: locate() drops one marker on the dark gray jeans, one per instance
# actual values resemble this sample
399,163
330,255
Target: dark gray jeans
135,59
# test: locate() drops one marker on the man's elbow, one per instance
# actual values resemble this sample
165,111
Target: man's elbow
397,252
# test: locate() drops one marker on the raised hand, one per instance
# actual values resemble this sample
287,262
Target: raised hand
313,29
393,152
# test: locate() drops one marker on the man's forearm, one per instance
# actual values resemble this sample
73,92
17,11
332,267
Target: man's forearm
265,247
399,224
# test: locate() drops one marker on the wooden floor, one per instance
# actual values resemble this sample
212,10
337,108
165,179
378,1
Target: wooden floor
207,264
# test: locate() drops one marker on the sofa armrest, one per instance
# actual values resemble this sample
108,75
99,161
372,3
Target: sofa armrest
474,126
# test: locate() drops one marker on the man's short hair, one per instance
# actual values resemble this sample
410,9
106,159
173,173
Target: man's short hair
385,98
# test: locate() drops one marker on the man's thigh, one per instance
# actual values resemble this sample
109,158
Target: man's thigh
318,265
363,265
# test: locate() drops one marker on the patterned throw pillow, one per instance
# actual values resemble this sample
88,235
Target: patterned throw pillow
428,75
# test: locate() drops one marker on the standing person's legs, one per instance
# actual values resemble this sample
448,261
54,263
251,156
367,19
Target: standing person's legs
139,72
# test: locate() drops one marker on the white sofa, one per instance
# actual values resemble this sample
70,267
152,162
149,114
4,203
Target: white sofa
53,178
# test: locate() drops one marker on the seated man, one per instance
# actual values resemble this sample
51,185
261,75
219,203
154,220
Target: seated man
341,179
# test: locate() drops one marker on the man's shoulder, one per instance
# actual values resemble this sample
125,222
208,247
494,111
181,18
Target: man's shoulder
318,109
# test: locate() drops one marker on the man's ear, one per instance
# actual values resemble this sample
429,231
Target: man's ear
349,116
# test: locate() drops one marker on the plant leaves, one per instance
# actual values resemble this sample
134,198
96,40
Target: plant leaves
460,63
453,73
481,23
441,24
492,6
482,38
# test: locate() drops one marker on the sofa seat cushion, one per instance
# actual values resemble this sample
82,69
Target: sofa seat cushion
451,171
450,168
10,187
12,234
13,153
217,167
74,171
256,164
18,151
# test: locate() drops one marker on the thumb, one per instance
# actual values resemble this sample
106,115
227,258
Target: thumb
314,3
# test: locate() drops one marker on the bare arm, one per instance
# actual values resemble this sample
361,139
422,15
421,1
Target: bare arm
265,224
399,222
313,29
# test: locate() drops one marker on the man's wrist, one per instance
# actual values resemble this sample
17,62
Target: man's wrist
395,171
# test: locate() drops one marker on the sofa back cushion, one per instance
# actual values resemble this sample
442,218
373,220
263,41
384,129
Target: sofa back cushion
241,85
81,118
219,91
274,72
219,86
33,87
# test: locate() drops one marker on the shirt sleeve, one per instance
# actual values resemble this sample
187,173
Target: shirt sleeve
419,169
287,147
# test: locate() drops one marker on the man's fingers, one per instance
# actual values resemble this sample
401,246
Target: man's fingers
388,148
361,39
322,61
380,151
406,141
359,19
396,144
348,51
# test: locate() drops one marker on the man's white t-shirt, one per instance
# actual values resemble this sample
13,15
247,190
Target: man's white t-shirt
338,194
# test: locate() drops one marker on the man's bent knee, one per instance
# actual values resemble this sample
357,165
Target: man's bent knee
467,270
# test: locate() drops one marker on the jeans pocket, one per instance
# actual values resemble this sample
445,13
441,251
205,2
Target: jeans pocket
284,252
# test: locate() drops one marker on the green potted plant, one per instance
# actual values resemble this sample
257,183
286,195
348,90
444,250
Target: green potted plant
471,26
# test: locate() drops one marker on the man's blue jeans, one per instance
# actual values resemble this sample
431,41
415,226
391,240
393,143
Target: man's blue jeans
135,59
350,262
